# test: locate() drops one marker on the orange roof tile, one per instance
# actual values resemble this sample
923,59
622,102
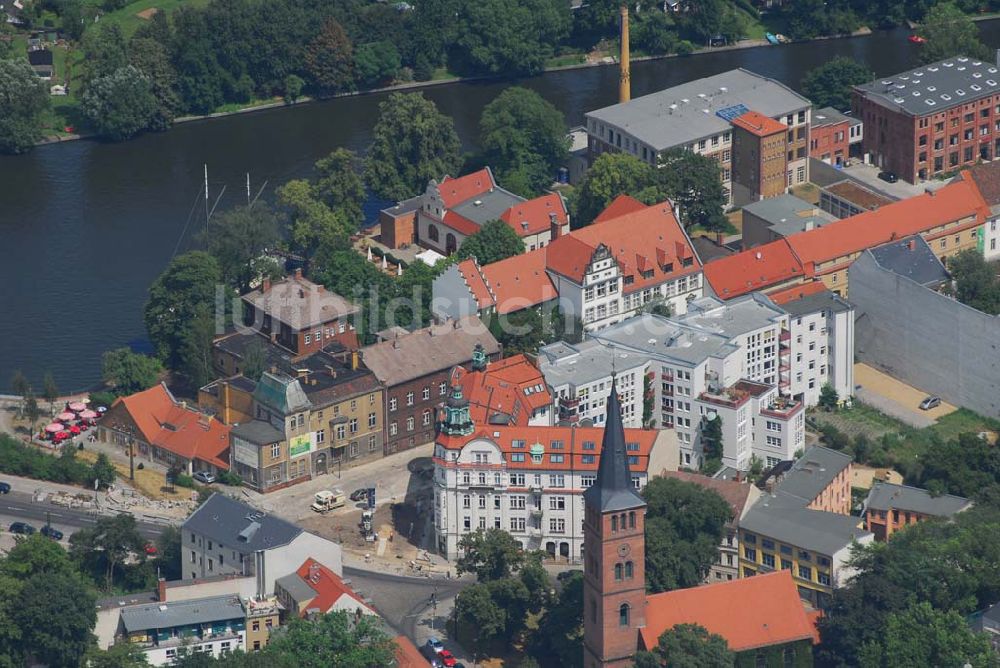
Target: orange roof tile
470,271
328,586
532,217
407,654
512,386
778,615
570,256
796,292
454,191
915,215
753,269
183,431
622,205
758,124
460,223
520,281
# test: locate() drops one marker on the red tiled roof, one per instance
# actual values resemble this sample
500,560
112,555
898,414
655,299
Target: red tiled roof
535,213
167,424
460,223
407,654
470,271
735,493
758,124
753,269
456,191
572,439
622,205
570,256
915,215
796,292
777,617
328,586
513,386
520,281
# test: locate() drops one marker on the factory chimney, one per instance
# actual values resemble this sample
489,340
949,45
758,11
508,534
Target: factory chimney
625,77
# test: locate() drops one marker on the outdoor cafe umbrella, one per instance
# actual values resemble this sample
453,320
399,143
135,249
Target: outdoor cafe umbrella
66,416
88,415
77,406
74,430
54,428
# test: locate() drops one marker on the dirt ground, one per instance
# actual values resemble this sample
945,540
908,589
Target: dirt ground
897,391
147,13
148,482
394,522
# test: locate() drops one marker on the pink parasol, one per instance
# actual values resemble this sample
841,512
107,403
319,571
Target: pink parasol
66,416
74,430
54,428
77,406
87,415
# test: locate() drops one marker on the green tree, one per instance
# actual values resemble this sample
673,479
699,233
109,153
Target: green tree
238,240
152,59
292,90
122,655
188,282
711,438
23,98
829,85
20,387
508,37
32,411
694,184
195,352
923,636
50,391
104,49
334,639
412,143
339,186
684,525
479,615
120,104
128,372
655,33
376,63
494,241
687,646
169,554
707,19
105,546
104,471
55,613
949,32
611,175
313,224
561,638
492,554
329,59
828,398
975,282
522,134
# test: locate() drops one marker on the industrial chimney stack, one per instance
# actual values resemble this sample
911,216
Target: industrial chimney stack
625,77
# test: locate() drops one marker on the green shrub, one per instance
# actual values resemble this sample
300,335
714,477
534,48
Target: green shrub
102,399
230,478
184,480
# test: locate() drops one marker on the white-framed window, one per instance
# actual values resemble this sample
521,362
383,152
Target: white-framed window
392,403
275,450
372,419
426,394
393,428
426,419
409,398
443,388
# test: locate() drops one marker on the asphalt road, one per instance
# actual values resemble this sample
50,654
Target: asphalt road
20,506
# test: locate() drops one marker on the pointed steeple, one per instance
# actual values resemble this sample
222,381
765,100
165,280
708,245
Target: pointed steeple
613,488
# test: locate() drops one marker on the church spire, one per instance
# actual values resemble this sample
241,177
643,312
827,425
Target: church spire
613,488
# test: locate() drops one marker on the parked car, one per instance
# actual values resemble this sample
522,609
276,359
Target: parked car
22,527
150,549
204,477
359,494
435,645
4,488
49,532
929,403
888,177
447,658
432,657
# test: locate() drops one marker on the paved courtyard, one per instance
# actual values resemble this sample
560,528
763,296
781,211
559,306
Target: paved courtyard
896,398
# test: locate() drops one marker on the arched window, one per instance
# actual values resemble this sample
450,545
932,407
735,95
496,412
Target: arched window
631,519
628,570
450,244
618,572
614,523
623,615
622,520
432,232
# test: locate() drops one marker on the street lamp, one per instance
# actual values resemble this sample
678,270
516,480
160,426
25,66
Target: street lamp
128,434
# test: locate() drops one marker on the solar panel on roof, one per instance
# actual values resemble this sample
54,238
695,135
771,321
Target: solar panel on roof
729,113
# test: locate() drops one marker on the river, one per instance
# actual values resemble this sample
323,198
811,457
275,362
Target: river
85,227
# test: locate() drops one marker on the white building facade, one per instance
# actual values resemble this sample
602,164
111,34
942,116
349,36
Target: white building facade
821,335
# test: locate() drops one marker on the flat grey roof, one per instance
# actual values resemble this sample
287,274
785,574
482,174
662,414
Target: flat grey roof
238,526
296,587
584,363
829,116
733,318
887,496
664,119
822,301
491,205
787,214
913,258
788,522
259,432
182,613
935,87
812,472
659,337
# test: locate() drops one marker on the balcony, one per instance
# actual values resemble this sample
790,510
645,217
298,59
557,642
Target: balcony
667,376
537,512
785,336
535,488
782,408
668,391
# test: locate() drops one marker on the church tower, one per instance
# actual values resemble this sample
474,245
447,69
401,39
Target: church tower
614,575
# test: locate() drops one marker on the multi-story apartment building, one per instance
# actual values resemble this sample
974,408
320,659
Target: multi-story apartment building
300,316
698,116
932,119
740,495
631,255
821,337
890,507
527,480
580,377
832,134
450,211
511,391
415,369
759,157
987,179
805,526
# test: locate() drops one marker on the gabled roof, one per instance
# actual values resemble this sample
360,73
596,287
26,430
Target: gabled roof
913,258
326,586
749,613
987,179
472,273
520,281
168,424
569,256
753,269
281,394
299,303
535,215
613,490
165,616
622,205
510,389
758,124
238,526
796,292
457,190
812,473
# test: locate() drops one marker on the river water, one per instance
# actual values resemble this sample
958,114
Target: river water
85,227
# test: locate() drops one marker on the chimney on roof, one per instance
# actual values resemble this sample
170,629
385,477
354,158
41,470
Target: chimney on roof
912,244
719,238
554,227
225,402
355,356
929,191
298,273
265,284
161,590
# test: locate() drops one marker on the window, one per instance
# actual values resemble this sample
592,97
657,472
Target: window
409,398
443,388
466,501
392,404
629,569
557,503
618,572
426,394
426,418
556,459
767,559
805,572
623,615
371,420
393,428
275,450
823,578
557,525
409,423
750,553
786,565
320,435
371,443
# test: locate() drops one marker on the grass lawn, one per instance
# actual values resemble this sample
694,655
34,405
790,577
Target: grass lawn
128,16
568,59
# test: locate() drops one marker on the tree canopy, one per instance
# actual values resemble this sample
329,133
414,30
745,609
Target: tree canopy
693,182
975,281
494,241
492,554
128,372
238,238
687,646
950,32
611,175
121,104
23,98
829,85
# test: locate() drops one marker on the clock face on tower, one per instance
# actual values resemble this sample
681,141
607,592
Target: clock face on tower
623,550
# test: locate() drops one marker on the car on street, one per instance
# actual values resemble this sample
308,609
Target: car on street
4,488
432,657
447,658
359,494
929,403
888,177
435,645
50,532
204,477
22,528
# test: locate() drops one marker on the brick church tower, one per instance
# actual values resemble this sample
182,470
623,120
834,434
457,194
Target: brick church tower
614,576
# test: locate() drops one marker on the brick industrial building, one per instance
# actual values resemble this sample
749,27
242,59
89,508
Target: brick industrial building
932,119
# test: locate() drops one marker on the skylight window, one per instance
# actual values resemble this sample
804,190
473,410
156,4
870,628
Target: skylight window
945,97
976,87
960,92
931,89
930,103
